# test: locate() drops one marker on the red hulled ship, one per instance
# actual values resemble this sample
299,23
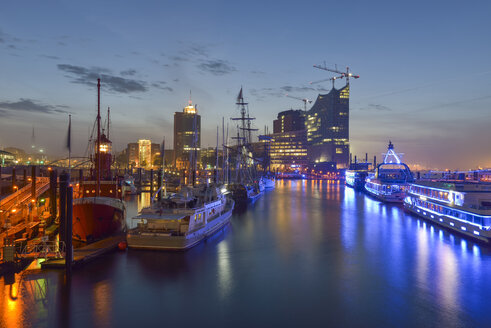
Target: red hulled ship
98,208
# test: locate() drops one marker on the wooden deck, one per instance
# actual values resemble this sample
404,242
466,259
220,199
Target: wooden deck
86,253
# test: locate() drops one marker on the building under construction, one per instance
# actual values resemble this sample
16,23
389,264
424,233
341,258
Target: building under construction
327,125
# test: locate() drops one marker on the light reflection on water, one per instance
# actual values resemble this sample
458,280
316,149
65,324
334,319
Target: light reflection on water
308,250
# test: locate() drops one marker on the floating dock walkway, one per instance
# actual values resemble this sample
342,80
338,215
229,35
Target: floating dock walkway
86,253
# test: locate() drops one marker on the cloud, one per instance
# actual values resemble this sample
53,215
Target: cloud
32,106
288,88
179,59
88,76
162,85
217,67
128,72
197,50
50,57
379,107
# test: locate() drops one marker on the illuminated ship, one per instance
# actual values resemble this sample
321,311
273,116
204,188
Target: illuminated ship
182,220
356,174
462,206
390,179
98,209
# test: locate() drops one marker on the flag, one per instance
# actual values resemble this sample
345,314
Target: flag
239,97
69,136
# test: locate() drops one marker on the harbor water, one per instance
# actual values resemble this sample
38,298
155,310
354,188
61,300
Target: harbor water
309,253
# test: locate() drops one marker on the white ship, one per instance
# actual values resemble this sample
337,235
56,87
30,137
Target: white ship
462,206
182,220
390,179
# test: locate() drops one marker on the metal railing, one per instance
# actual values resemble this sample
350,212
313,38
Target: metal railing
46,249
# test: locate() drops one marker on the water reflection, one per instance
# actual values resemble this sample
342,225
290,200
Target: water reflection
309,249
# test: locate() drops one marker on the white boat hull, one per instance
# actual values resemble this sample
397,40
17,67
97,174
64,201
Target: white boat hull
165,241
459,226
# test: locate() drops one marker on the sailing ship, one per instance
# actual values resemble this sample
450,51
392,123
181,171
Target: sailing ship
247,186
98,208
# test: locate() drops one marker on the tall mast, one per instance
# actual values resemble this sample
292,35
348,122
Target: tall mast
216,162
108,120
98,150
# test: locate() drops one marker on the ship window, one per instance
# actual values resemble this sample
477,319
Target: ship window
485,204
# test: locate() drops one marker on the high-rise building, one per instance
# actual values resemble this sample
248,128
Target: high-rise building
327,124
289,120
187,135
145,153
288,150
133,155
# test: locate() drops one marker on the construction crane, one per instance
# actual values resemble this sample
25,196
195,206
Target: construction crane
305,101
329,79
346,74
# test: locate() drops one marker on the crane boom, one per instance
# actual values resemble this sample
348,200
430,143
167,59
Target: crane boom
346,74
305,101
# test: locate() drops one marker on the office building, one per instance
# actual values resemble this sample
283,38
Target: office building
187,135
289,120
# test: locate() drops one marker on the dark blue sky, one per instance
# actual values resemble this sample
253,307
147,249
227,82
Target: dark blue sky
425,69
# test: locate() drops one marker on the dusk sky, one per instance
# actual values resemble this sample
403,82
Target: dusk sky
425,70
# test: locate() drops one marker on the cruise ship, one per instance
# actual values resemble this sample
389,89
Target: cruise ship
391,178
462,206
182,220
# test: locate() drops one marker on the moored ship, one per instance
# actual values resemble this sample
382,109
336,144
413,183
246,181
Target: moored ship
181,220
98,209
390,179
462,206
356,174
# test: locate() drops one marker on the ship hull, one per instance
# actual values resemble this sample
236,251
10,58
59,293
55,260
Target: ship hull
163,241
96,218
459,226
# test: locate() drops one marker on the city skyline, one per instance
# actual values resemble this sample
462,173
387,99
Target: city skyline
424,70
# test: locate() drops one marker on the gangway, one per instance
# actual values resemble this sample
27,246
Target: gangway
44,250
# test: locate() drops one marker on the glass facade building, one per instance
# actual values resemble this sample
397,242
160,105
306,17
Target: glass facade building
327,125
